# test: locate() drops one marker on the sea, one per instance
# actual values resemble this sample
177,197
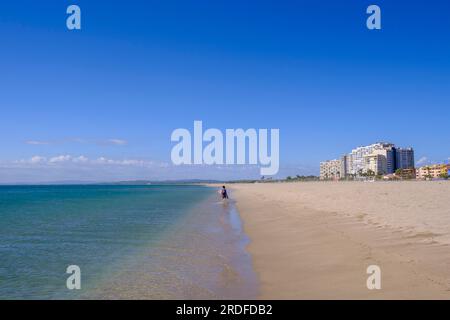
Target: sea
128,241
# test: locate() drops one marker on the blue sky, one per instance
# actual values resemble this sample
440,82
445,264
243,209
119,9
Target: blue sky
113,92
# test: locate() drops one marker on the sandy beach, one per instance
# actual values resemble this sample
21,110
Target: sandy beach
315,240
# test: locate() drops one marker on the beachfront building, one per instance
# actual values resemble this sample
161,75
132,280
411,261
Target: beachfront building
382,158
344,166
404,158
405,174
330,170
375,163
357,162
388,151
433,171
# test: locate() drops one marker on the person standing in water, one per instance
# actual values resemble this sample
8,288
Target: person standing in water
224,193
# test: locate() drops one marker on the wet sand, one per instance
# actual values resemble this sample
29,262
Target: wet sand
316,240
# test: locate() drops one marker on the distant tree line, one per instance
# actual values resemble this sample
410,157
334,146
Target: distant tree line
302,178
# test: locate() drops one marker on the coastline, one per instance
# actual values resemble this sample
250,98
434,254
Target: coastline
308,249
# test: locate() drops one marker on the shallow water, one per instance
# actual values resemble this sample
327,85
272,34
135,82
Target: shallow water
135,242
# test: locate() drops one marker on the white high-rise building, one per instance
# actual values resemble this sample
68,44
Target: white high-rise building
376,163
356,162
381,158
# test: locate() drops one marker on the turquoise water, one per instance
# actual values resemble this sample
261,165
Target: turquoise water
132,242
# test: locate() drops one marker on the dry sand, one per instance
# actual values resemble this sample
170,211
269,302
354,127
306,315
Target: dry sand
315,240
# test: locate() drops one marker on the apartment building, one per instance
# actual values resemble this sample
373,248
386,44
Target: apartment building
404,158
406,174
433,171
356,160
375,163
344,169
381,158
330,170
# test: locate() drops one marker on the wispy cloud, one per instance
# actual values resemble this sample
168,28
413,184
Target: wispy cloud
119,142
83,160
101,142
80,159
62,158
36,142
37,159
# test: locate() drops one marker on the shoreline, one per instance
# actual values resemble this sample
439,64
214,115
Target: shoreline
302,250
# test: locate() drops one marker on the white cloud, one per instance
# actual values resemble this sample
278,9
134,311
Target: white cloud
37,159
119,142
62,158
37,142
124,162
105,142
103,160
81,159
133,162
